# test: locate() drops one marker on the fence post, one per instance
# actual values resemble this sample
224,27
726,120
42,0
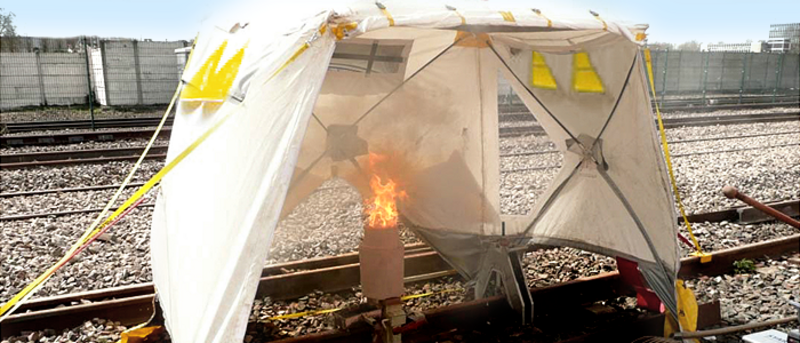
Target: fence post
664,76
778,68
766,74
680,58
104,60
138,71
705,76
741,83
89,80
43,97
722,72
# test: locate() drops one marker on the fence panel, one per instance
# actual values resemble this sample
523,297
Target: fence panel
691,72
19,80
159,71
119,72
731,72
790,75
64,78
714,78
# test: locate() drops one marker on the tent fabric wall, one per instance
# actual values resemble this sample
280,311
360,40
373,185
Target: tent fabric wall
216,210
436,116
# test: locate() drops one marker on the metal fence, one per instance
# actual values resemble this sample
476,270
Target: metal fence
116,72
694,72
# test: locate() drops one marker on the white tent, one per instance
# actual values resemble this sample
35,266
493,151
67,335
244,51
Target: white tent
282,112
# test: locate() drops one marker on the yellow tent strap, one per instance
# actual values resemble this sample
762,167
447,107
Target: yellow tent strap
704,258
539,13
318,312
385,13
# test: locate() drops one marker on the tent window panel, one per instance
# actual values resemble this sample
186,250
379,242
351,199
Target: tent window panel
541,76
584,76
369,56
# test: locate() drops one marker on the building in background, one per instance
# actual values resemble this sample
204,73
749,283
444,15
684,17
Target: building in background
759,46
779,45
781,33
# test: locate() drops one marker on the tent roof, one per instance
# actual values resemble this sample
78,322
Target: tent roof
473,16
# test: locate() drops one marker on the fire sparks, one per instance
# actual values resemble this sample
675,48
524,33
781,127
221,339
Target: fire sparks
382,208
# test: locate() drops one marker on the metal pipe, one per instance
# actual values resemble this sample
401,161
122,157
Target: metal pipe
731,192
733,329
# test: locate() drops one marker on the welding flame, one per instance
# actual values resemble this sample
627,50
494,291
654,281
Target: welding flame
382,208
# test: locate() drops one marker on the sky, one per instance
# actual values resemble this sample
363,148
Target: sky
706,21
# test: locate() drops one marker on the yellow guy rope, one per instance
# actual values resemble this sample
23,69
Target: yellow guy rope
704,257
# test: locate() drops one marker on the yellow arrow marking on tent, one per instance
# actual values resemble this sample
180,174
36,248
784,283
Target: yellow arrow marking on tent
211,83
541,76
584,77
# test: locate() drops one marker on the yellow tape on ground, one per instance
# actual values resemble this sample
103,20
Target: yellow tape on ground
305,313
703,256
415,296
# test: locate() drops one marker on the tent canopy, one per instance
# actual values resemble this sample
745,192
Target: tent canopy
417,83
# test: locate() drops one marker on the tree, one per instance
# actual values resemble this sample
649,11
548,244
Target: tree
7,28
690,46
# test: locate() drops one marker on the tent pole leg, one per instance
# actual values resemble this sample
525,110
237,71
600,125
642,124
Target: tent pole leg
506,264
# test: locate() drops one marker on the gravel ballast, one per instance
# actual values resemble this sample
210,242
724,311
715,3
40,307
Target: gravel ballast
329,223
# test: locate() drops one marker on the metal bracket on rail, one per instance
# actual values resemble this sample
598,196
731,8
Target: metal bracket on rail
505,263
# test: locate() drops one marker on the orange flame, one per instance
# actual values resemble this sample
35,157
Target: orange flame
382,209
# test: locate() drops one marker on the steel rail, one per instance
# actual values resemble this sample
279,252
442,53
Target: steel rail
672,123
125,153
330,274
16,127
724,102
78,137
84,136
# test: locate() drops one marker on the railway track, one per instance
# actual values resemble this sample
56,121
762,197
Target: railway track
694,104
70,157
668,122
133,304
84,124
698,104
23,160
746,215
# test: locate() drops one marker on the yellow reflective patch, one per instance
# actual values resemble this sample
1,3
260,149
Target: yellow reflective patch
584,77
211,83
640,36
541,76
507,16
